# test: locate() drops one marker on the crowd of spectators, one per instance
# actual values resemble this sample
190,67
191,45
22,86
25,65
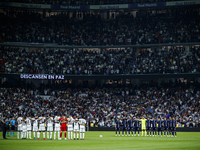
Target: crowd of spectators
87,62
19,60
102,106
105,62
167,26
88,2
167,60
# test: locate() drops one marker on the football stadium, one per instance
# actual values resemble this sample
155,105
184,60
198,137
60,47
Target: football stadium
96,74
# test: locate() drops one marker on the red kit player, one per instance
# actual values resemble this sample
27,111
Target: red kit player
63,126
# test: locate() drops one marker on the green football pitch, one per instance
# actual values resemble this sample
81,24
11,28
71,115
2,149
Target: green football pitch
184,140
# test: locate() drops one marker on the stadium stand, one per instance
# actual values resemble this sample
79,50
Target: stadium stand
119,44
103,105
124,29
108,62
174,60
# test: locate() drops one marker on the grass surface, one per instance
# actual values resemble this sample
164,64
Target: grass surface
184,141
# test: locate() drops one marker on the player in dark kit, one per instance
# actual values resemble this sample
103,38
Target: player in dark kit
170,126
136,124
174,127
153,123
130,123
165,122
159,122
124,127
117,126
148,124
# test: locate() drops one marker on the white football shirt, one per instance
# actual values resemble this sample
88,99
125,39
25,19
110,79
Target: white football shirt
76,125
35,122
71,121
50,122
19,120
82,121
28,121
56,119
42,120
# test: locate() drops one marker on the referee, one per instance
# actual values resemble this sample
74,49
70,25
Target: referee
4,127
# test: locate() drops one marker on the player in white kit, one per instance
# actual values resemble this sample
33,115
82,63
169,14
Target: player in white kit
35,126
19,126
49,127
70,127
57,127
42,126
28,126
76,128
82,123
24,127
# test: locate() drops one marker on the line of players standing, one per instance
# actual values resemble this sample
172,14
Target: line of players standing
61,124
152,126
